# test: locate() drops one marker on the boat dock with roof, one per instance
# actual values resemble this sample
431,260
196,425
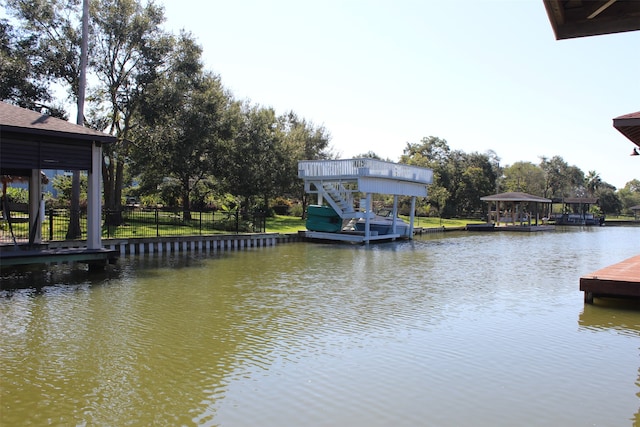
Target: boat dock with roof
337,182
513,211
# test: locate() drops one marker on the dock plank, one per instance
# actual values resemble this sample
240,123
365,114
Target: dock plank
38,256
621,280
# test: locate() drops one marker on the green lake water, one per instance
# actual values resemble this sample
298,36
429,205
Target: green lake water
450,329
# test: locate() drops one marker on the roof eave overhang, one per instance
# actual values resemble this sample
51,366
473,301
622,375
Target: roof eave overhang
629,127
515,199
582,19
104,138
583,29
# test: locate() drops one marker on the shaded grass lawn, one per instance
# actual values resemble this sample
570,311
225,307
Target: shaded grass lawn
282,224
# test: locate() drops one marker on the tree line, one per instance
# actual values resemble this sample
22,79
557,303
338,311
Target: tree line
460,179
186,141
181,135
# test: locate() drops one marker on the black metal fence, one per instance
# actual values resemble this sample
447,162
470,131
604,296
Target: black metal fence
140,222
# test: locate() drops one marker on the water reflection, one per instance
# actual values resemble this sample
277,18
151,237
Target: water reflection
617,316
455,329
620,316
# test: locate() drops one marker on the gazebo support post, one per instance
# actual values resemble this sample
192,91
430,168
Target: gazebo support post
94,199
35,196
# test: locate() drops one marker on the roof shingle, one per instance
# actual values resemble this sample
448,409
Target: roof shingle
19,119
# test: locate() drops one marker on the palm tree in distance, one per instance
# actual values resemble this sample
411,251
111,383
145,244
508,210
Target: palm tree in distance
592,182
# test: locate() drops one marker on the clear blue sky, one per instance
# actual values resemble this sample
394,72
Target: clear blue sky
483,75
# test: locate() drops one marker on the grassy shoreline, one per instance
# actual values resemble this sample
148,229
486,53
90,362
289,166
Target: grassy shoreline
292,224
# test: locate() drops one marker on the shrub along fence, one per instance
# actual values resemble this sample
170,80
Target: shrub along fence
143,222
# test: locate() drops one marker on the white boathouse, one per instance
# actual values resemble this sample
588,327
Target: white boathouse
337,182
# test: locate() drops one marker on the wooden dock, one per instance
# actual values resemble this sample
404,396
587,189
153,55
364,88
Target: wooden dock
351,237
516,228
621,280
95,258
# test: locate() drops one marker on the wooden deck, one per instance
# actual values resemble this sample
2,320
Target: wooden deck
515,228
621,280
351,237
94,257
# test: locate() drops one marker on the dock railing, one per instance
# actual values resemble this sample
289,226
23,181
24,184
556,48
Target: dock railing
354,168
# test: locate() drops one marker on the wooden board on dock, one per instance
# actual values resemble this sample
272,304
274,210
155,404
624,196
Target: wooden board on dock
349,236
621,280
11,257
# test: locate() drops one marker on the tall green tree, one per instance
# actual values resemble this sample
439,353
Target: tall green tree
460,177
592,182
369,155
630,195
432,152
561,180
477,180
302,140
23,81
184,123
128,51
608,200
43,50
469,177
525,177
54,29
257,159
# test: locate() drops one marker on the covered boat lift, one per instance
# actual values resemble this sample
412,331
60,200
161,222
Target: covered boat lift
518,218
575,211
337,181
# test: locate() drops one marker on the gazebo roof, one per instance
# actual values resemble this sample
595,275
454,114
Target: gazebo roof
30,140
629,126
514,196
580,18
23,121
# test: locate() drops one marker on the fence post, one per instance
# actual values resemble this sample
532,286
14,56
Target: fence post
50,224
105,214
157,222
237,220
200,221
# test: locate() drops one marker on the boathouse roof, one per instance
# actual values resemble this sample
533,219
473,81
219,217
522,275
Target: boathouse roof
629,126
579,18
30,140
17,119
577,200
514,196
